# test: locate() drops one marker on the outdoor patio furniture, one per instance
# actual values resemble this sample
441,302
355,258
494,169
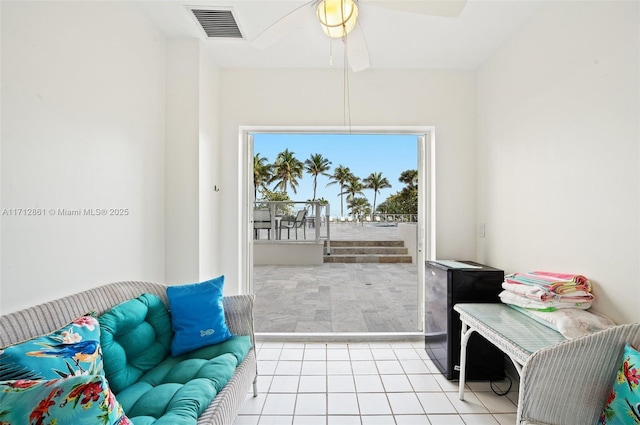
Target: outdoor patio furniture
295,223
261,220
311,221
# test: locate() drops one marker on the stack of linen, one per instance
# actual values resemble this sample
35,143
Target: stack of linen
546,291
557,300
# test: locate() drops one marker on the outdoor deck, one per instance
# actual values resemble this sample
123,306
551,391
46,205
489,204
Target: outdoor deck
335,297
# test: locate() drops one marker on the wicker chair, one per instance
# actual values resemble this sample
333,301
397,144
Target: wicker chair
568,383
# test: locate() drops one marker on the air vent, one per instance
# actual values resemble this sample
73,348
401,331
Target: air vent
218,23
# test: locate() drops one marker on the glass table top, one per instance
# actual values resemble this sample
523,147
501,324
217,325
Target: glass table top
512,325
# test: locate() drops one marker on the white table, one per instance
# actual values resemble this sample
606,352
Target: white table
515,333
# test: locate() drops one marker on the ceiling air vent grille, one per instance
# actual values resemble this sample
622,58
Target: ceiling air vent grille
218,23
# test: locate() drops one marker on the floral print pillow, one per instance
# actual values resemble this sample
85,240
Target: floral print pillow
84,399
72,350
623,404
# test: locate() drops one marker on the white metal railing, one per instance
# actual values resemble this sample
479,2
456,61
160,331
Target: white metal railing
394,218
381,218
280,212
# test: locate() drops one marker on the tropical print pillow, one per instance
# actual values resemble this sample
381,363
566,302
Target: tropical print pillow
623,405
84,399
72,350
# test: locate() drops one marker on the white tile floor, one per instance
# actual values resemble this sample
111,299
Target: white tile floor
365,384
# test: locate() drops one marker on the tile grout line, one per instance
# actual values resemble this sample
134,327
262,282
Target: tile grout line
351,360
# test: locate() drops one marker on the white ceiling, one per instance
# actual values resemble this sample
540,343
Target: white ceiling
396,40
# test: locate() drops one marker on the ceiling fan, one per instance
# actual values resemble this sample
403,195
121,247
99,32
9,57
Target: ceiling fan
339,19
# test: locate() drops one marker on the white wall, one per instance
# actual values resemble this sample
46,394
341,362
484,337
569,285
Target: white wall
209,159
1,203
82,127
302,97
408,232
182,169
191,163
288,254
558,150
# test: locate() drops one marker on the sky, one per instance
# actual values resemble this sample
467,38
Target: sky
390,154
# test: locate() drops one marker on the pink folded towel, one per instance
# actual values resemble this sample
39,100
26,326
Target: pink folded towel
552,304
556,283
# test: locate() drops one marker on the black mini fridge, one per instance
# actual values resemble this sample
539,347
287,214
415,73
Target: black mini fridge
448,283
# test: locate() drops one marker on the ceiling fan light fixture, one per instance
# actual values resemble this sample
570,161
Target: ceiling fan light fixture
337,17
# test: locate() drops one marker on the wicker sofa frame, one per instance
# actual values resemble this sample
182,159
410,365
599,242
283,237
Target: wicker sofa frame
47,317
568,383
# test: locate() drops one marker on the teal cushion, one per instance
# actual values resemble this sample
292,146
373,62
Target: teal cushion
179,389
136,336
197,315
71,350
82,399
623,405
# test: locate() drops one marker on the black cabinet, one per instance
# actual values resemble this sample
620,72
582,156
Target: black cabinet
446,284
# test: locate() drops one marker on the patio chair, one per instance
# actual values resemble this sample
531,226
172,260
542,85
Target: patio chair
295,223
261,220
311,221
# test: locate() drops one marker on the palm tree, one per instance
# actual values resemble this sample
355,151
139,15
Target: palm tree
376,182
286,171
359,206
341,175
410,178
317,165
262,173
353,187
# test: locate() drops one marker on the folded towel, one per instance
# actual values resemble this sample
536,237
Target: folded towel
528,291
540,294
557,283
551,304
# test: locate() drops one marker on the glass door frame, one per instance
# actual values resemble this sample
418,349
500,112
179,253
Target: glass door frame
426,244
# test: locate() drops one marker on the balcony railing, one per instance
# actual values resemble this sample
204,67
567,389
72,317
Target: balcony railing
281,222
381,218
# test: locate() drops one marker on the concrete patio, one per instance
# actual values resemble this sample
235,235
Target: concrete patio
335,297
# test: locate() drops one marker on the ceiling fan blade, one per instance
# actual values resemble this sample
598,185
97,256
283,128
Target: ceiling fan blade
445,8
357,51
283,26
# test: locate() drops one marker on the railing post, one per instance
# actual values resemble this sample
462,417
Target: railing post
327,215
272,215
316,218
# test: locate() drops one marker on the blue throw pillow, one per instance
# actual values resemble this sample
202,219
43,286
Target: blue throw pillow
197,315
623,405
73,349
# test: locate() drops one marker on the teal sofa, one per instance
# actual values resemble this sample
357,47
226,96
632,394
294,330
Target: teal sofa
205,386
